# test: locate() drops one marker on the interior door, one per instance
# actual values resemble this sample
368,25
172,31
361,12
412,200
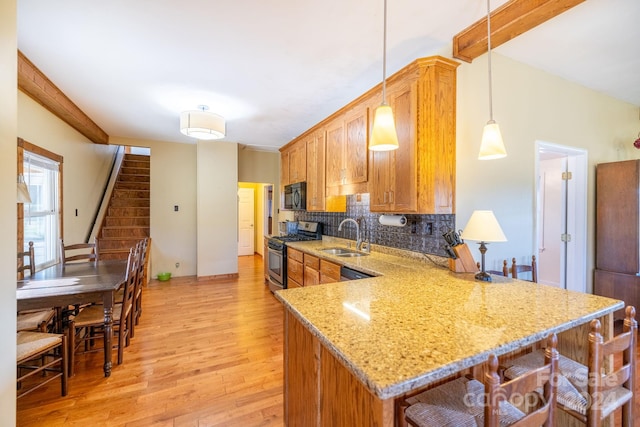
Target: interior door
246,235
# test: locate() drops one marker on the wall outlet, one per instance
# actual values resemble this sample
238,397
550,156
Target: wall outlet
177,265
429,228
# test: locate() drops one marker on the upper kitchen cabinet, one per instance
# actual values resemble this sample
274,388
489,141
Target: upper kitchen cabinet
347,156
419,177
293,163
315,171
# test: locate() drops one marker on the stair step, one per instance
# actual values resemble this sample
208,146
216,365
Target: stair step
135,212
133,178
139,221
120,231
108,255
133,185
126,193
126,170
111,244
129,203
137,157
136,164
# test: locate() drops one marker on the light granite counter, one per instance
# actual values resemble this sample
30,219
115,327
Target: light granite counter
418,322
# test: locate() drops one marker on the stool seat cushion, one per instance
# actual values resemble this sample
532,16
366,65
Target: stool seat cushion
572,390
457,403
32,343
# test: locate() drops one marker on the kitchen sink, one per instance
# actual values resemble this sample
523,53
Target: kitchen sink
343,252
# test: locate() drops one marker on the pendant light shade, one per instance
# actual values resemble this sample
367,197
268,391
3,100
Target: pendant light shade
383,135
201,124
23,191
491,146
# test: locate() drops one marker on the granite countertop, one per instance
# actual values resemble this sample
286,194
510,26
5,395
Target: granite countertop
418,322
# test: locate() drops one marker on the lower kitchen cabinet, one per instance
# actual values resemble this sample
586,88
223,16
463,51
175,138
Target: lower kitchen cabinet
329,272
311,270
295,269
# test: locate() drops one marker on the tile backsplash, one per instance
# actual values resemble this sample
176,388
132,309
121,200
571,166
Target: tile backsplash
422,233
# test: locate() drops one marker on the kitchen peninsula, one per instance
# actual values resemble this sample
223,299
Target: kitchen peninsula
352,349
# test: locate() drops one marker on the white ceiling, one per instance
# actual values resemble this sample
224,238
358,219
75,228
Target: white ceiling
275,68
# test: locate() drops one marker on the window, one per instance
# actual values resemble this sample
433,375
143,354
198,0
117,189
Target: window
42,216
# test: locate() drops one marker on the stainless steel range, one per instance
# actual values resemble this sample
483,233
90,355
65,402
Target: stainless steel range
277,252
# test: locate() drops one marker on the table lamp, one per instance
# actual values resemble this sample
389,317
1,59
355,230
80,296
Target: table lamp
484,228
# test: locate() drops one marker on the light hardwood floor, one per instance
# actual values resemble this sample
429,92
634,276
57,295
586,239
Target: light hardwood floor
204,354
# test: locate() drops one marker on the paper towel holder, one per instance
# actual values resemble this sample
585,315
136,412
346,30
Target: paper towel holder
393,220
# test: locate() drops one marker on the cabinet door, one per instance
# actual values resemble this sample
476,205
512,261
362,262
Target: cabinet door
295,272
379,181
356,156
284,168
311,276
315,172
329,272
403,194
298,162
334,153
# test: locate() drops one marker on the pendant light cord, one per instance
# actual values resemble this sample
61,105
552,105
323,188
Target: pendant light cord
489,59
384,57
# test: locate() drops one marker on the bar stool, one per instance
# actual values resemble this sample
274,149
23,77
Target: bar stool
587,394
467,402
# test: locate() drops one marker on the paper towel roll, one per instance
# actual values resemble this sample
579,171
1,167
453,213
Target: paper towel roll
393,220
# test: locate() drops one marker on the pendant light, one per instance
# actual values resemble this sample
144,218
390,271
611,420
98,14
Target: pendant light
491,146
383,134
201,124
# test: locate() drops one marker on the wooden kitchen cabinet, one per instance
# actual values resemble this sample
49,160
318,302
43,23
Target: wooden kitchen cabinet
419,177
311,270
293,164
347,154
329,271
315,144
618,232
295,269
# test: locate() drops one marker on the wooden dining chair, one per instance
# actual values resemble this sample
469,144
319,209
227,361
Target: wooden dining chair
79,252
88,326
33,320
466,401
27,261
140,282
41,358
585,392
524,268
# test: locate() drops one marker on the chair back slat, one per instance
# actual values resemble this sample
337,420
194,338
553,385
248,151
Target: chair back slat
30,265
85,252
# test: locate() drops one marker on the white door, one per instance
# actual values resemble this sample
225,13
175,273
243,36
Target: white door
246,214
562,216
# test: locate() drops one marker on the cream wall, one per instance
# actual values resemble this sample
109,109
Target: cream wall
8,176
86,165
530,105
173,182
217,208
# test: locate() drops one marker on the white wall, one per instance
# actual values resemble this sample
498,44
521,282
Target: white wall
86,165
173,182
8,176
530,105
217,207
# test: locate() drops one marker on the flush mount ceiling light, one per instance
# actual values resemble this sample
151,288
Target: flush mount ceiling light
201,124
491,146
383,134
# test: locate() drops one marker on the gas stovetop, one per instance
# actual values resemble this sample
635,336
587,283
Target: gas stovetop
306,231
294,238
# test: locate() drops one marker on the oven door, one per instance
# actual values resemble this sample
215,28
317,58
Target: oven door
276,267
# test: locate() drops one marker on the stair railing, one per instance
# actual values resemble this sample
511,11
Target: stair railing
101,211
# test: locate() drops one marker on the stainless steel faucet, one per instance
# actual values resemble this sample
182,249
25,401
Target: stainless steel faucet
358,239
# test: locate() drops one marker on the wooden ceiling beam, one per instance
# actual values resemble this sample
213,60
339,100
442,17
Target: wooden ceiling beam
507,22
35,83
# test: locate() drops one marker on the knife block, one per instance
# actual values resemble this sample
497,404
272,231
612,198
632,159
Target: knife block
465,262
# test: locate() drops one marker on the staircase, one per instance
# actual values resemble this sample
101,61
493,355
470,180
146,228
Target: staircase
127,218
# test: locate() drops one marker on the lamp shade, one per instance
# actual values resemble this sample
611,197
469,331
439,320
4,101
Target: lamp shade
492,146
23,191
202,124
483,227
383,134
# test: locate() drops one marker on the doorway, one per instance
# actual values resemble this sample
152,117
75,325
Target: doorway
255,218
246,213
561,216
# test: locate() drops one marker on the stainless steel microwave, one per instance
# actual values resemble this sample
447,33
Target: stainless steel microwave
295,196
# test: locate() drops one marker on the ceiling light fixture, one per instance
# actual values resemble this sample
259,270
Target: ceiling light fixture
491,146
201,124
383,134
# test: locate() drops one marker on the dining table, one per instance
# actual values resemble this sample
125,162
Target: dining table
62,285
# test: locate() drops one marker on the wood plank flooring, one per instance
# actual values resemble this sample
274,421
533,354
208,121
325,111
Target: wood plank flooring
205,354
